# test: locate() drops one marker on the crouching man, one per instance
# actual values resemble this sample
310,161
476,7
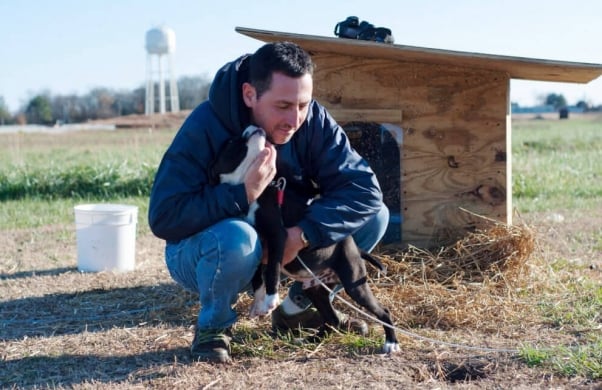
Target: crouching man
210,248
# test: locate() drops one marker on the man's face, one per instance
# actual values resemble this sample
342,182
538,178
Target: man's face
281,109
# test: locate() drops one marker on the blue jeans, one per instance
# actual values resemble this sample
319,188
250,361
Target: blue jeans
219,262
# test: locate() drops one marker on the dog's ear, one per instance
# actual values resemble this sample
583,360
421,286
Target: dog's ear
214,168
213,175
227,159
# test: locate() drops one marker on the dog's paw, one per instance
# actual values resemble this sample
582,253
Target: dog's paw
266,306
271,302
258,305
391,348
255,309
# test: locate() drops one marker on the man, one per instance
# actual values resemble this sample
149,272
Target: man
210,248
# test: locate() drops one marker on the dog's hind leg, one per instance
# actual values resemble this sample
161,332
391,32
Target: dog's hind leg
354,279
360,292
320,298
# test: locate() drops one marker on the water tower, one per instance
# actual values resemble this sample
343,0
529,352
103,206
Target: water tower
160,44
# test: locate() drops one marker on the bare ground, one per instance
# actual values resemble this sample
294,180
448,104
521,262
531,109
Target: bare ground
62,328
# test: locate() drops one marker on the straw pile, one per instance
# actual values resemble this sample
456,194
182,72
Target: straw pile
497,253
471,282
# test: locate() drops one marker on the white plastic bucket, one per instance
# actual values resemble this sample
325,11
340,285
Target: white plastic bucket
106,237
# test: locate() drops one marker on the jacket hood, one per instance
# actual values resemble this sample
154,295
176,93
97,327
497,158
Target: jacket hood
225,95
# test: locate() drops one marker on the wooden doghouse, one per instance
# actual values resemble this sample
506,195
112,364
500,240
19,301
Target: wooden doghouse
447,114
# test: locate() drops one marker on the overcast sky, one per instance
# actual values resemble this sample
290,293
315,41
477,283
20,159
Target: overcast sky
72,46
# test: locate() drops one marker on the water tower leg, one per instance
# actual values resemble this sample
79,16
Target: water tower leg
149,106
161,88
173,87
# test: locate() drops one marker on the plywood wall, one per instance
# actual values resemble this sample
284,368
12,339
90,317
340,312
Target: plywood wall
454,136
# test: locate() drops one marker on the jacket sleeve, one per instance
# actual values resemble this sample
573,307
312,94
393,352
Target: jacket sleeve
349,191
182,201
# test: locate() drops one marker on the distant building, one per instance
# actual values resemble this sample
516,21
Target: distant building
542,109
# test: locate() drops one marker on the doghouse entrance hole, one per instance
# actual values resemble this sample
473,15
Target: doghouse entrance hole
380,145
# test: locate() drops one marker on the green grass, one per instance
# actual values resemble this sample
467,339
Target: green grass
573,305
585,361
42,176
580,307
577,312
99,165
557,164
78,181
35,212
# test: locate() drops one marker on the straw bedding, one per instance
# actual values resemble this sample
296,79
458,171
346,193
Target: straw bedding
468,283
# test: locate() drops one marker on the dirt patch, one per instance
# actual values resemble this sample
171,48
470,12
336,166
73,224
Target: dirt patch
63,328
169,120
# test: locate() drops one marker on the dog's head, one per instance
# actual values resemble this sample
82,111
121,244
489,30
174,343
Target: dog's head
237,155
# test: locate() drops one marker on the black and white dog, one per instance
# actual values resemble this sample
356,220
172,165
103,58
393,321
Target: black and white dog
342,262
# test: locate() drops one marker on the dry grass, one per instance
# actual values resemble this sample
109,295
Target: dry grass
62,328
461,284
499,288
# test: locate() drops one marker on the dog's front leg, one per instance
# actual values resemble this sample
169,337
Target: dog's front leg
269,224
263,303
257,307
271,274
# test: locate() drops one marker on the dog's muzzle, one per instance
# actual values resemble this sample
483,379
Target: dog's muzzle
252,130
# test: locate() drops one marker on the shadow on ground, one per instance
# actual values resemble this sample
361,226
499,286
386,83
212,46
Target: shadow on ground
96,310
62,370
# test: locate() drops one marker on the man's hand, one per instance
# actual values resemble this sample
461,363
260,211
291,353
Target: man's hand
260,173
293,244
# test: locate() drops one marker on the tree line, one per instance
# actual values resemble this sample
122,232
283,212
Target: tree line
44,108
101,103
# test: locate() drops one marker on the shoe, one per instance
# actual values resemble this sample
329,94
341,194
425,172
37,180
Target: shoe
211,345
311,319
352,325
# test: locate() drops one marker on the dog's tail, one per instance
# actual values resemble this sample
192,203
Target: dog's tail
374,261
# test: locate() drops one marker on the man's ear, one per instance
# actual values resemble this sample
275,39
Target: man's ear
249,94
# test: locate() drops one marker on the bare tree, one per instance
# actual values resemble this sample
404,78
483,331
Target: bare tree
100,103
192,91
5,116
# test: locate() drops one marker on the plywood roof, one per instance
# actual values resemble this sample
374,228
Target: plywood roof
515,67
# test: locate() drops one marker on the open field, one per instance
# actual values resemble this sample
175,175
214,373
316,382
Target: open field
532,321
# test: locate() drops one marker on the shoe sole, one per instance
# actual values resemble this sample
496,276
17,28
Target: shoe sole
216,357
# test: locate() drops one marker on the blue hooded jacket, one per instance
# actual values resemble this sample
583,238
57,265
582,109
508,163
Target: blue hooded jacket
318,160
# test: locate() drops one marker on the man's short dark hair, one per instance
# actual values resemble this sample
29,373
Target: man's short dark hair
284,57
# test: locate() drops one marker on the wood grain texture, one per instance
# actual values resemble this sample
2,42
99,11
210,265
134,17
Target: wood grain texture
365,115
453,152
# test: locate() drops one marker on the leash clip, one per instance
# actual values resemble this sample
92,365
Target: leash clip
280,186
